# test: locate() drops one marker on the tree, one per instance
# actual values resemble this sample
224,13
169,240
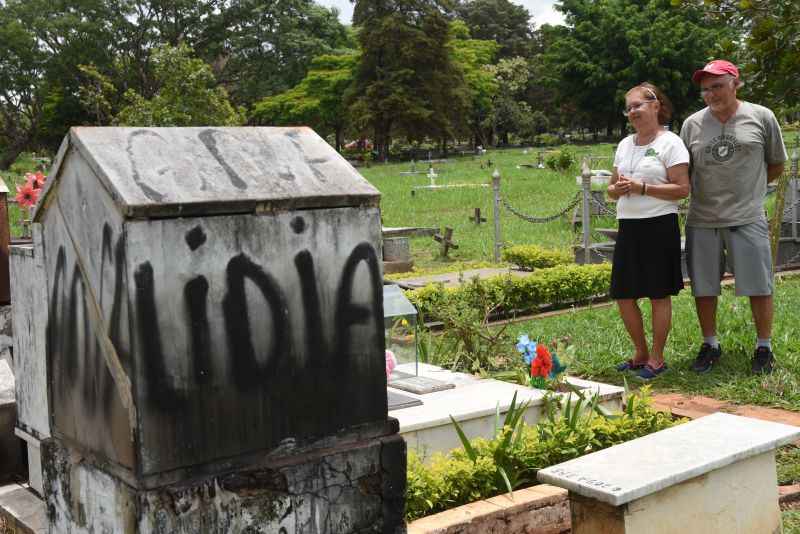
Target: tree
406,81
187,95
317,101
770,61
502,21
268,46
612,45
474,58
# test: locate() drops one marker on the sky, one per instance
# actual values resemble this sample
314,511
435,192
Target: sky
541,11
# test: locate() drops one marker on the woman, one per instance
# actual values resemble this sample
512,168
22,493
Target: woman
650,177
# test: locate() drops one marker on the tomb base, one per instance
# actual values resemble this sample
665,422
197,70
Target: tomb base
741,497
342,488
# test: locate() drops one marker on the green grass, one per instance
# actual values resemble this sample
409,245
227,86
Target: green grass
791,522
600,341
788,462
533,191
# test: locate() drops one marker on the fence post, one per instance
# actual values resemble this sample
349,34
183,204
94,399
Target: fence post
794,183
586,184
497,237
5,240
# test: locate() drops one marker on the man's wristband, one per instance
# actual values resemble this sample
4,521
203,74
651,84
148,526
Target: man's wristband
644,188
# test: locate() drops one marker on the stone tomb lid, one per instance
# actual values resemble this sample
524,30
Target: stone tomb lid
646,465
163,172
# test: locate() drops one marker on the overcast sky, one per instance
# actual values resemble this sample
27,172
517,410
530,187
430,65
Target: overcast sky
541,11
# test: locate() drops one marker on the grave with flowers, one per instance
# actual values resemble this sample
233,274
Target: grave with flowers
475,403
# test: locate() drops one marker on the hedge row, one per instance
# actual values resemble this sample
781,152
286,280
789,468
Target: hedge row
514,294
530,257
451,480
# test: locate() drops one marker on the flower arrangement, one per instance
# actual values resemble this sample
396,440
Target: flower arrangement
28,194
545,367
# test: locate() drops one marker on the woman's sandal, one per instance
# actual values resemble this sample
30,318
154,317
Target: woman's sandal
630,365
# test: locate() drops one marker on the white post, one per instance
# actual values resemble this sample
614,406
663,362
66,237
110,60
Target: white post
586,183
497,238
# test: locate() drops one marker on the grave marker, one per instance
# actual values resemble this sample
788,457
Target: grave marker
446,241
476,217
215,336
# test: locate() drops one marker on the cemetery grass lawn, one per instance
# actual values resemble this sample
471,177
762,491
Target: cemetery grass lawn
601,342
539,192
791,522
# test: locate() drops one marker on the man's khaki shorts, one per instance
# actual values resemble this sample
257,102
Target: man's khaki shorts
744,250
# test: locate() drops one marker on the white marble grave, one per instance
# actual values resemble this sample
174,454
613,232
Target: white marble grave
714,474
473,402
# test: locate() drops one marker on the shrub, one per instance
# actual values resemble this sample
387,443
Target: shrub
510,294
547,139
560,160
530,257
452,479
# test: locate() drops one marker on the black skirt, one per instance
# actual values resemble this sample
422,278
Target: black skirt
647,258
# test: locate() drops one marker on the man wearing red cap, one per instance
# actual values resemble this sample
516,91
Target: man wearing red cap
736,148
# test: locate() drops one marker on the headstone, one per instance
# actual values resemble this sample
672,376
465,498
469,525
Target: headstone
476,217
215,336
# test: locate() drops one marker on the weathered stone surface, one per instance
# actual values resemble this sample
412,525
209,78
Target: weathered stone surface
226,334
182,171
667,457
349,489
23,512
29,312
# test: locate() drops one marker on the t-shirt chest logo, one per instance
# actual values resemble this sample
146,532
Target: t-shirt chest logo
722,148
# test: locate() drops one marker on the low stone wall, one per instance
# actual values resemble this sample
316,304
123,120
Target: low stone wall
540,509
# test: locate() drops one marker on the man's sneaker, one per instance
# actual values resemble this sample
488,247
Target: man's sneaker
763,361
706,358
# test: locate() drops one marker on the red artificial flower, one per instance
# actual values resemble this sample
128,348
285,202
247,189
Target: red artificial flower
543,363
27,195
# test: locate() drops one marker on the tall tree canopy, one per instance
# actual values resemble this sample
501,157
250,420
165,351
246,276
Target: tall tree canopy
406,81
612,45
770,59
317,101
502,21
255,48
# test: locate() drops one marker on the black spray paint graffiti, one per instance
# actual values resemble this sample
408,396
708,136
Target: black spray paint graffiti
76,352
252,364
251,368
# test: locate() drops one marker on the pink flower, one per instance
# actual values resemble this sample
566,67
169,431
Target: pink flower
27,195
37,180
391,363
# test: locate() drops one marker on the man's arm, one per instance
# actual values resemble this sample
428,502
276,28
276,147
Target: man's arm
774,171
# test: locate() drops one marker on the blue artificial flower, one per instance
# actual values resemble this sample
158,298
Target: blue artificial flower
522,343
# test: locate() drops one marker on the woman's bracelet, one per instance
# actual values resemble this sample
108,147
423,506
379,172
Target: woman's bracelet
644,188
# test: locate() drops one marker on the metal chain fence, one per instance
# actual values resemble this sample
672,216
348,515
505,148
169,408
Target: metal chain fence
533,219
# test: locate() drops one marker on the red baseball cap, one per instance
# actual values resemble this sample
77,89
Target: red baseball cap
718,67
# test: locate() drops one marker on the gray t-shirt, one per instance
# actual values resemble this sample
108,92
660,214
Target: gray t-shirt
728,166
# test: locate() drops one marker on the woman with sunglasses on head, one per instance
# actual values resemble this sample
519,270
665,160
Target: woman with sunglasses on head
650,176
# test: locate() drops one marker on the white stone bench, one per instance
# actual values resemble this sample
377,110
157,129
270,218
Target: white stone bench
712,475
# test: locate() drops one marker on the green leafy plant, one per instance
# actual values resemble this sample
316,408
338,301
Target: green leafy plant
569,427
530,257
507,439
509,294
560,160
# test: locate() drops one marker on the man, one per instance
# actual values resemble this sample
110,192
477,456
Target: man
736,148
